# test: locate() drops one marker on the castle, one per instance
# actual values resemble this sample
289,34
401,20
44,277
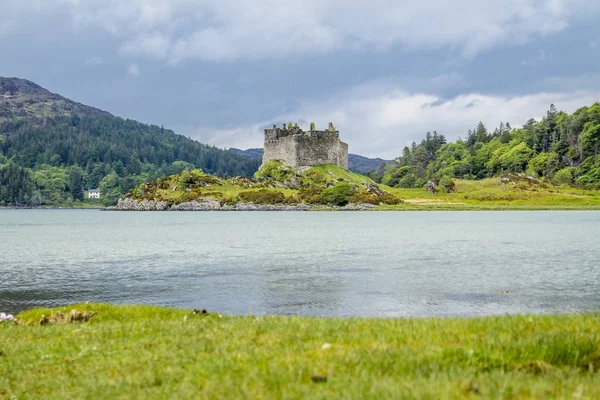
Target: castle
298,148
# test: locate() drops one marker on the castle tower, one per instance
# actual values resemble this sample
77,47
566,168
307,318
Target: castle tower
298,148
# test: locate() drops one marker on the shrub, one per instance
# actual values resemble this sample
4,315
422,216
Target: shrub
364,197
228,200
277,170
393,178
565,176
390,199
310,195
196,177
338,195
262,196
447,184
408,181
543,164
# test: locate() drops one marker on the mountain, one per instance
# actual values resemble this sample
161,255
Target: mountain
356,163
362,165
254,153
20,98
52,147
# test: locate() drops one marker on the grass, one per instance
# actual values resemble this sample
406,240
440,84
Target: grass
195,185
150,352
490,194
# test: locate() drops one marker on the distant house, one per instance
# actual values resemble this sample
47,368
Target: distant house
93,194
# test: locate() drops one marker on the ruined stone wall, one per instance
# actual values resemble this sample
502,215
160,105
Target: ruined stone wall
297,148
343,155
283,148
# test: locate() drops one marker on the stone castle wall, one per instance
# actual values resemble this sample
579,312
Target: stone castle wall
298,148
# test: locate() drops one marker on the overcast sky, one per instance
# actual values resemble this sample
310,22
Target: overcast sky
384,71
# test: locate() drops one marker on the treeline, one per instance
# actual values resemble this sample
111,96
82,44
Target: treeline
561,148
51,161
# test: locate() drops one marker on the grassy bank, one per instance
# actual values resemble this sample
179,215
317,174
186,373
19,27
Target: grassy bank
149,352
494,194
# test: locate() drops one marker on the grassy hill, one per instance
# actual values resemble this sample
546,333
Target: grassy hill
274,184
508,192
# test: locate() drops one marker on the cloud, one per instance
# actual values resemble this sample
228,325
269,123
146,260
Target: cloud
133,70
227,30
378,121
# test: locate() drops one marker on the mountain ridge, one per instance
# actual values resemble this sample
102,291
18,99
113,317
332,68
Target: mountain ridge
356,163
21,98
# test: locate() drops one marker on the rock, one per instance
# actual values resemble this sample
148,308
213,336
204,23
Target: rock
358,207
208,204
432,187
6,318
205,204
129,204
374,189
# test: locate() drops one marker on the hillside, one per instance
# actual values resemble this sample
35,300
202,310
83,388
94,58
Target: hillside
356,163
52,148
561,148
20,98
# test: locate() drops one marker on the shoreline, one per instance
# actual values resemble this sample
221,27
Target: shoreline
407,207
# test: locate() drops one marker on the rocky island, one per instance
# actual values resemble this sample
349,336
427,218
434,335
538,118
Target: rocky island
275,187
300,171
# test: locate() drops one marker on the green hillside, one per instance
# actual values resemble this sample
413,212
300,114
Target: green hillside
561,148
52,148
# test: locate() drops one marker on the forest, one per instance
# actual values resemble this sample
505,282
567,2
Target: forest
561,148
51,161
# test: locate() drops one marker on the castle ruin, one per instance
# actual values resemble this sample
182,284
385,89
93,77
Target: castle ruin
298,148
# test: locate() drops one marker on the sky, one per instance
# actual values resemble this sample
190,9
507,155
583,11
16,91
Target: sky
383,71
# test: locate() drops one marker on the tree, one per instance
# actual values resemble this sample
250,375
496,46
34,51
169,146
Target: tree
76,183
590,138
16,186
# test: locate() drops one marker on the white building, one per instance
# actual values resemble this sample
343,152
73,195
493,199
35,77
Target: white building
93,194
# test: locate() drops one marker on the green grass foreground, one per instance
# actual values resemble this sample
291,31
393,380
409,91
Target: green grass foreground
150,352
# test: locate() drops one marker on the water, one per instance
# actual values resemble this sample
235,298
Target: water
385,264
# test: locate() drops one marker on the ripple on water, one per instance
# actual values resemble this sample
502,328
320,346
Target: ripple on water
334,264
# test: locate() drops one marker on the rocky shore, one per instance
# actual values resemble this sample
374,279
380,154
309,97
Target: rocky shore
207,204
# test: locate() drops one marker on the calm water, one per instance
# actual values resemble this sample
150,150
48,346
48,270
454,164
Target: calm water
336,264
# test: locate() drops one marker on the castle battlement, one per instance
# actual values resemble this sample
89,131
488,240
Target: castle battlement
289,143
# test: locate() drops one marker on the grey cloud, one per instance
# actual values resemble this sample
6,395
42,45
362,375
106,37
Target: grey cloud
225,30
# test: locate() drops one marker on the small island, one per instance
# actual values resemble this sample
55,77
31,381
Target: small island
301,171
